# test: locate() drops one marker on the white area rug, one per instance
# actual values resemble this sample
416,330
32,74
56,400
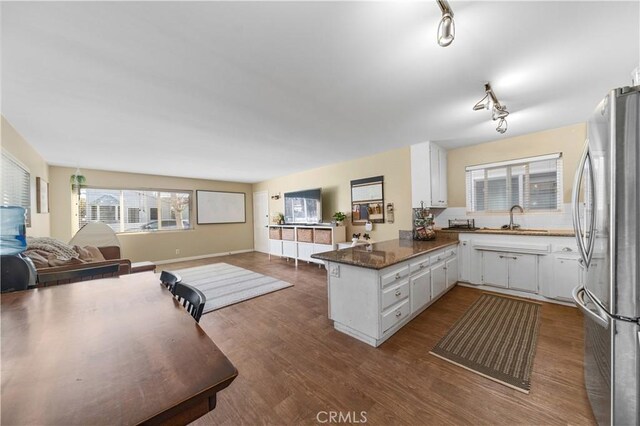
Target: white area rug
225,284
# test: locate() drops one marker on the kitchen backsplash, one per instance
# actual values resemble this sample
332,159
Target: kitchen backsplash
562,220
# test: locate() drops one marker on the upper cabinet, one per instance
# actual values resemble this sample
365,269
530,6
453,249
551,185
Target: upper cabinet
428,175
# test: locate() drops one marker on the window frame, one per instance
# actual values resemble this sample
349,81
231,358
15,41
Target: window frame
122,217
10,157
524,195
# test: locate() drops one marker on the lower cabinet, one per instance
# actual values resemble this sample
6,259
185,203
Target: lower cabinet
371,305
515,271
523,272
305,250
275,247
567,274
451,268
420,290
438,279
290,249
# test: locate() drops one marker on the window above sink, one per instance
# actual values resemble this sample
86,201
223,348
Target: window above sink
535,183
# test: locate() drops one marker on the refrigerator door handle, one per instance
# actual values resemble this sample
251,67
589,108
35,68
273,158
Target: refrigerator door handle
601,318
592,229
576,204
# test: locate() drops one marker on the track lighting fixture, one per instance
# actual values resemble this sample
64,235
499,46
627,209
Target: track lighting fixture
446,28
498,111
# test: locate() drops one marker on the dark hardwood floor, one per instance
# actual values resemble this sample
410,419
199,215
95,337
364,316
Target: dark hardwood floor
292,364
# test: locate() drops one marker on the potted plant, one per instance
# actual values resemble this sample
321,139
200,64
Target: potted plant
78,180
278,218
339,217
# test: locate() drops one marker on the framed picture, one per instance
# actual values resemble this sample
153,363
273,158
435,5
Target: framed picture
42,195
367,200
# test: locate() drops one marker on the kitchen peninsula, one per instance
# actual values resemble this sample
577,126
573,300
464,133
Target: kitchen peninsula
375,290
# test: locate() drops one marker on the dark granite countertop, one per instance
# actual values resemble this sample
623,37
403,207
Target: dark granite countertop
384,253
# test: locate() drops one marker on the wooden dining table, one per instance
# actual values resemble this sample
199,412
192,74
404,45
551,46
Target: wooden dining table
109,351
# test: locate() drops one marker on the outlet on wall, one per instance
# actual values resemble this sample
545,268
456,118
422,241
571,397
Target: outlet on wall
335,271
177,251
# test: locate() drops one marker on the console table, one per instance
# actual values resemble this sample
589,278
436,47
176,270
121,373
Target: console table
299,242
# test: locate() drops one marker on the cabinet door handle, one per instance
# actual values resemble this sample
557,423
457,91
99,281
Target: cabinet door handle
514,258
398,293
444,267
501,257
422,266
398,276
398,314
464,244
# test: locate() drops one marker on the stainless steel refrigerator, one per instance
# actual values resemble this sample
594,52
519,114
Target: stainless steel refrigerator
606,218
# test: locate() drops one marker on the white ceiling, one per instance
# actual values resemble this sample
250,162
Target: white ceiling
248,91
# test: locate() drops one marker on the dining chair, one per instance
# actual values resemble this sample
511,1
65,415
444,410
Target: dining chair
170,279
191,298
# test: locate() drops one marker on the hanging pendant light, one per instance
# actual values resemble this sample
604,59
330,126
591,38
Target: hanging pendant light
446,27
482,104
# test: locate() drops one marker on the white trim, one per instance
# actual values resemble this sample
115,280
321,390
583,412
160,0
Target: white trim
516,161
204,256
15,160
516,293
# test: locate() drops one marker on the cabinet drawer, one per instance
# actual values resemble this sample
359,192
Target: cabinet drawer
437,256
394,275
394,294
450,251
419,265
395,315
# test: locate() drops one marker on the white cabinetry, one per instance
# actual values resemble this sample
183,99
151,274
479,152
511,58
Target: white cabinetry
464,259
495,270
300,242
420,290
530,266
371,305
428,175
275,248
438,279
451,267
523,272
567,274
516,271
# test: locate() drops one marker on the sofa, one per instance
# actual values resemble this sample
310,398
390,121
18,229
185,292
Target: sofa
52,257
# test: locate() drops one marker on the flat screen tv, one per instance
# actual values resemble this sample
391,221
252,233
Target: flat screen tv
303,206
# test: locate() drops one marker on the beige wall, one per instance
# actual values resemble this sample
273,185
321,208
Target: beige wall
14,144
155,246
568,140
335,180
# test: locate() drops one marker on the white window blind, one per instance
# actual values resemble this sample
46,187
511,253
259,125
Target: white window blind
535,183
16,185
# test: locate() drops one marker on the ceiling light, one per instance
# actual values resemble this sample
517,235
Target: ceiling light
446,28
498,111
502,126
482,104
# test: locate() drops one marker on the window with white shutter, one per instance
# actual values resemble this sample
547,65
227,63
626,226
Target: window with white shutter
16,184
535,183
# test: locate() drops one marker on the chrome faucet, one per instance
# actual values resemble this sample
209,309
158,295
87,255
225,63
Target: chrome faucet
512,225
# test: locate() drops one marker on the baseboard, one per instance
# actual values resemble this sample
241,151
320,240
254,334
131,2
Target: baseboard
516,293
203,256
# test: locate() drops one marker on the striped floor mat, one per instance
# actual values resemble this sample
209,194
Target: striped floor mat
495,338
225,284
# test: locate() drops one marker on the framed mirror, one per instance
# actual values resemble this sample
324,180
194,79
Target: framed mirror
367,200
